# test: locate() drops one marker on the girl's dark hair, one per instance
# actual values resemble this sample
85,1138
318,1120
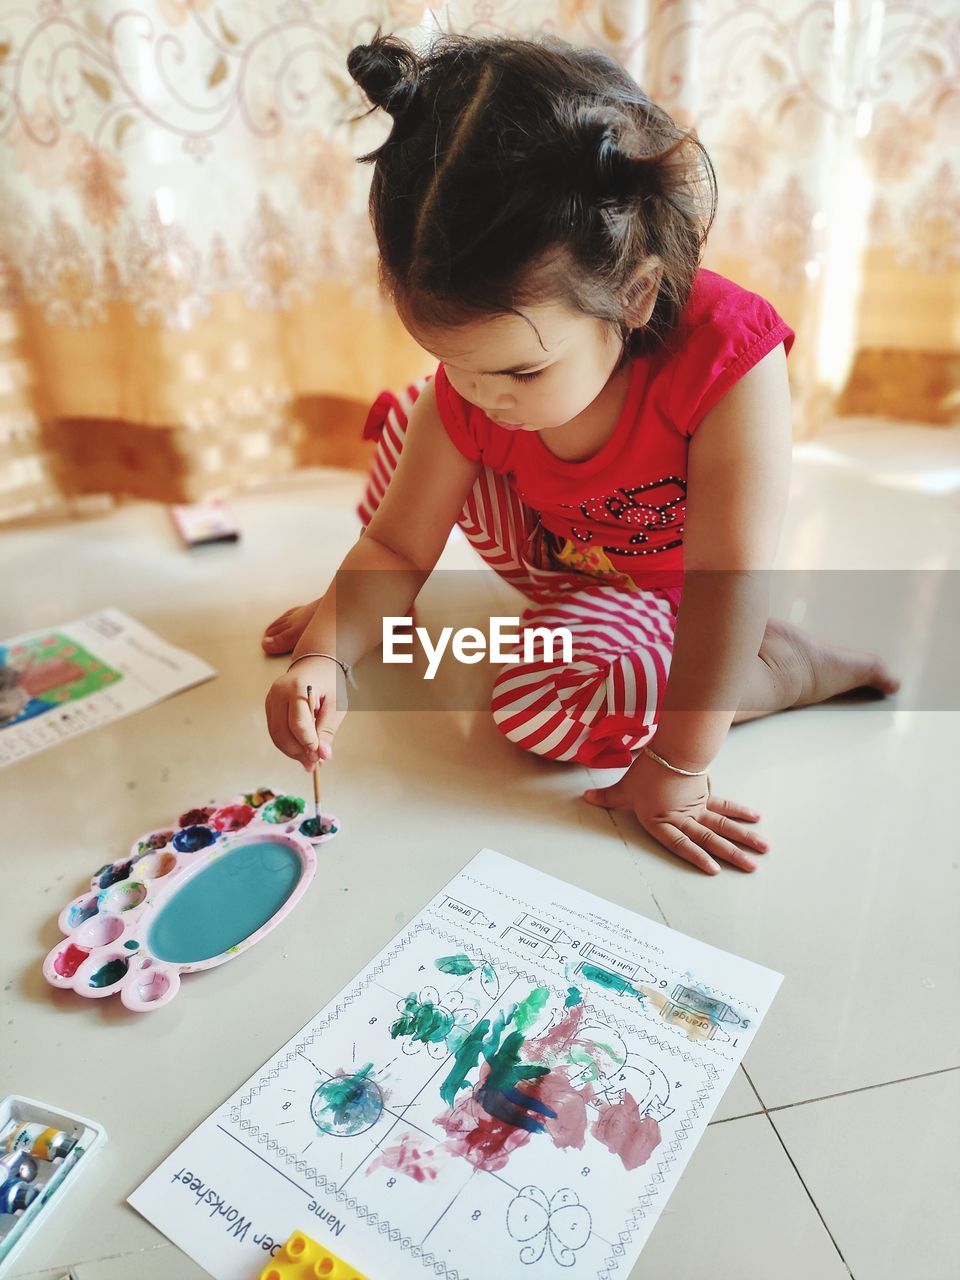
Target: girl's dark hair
523,171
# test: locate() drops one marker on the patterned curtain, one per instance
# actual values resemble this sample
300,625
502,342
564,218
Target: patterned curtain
188,301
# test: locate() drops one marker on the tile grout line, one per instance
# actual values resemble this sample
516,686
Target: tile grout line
845,1093
816,1207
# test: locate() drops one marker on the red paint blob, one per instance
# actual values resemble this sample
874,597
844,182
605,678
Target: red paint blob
558,1040
568,1128
624,1131
407,1157
69,961
483,1141
231,817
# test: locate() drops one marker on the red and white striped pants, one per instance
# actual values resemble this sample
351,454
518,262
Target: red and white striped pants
598,709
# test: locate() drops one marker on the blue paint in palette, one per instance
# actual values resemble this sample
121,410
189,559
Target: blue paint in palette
190,839
225,902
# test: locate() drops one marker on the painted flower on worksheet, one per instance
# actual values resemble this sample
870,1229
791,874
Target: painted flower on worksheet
427,1021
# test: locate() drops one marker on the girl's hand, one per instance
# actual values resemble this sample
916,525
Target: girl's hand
681,814
293,729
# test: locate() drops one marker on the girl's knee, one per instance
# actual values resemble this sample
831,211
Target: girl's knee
529,711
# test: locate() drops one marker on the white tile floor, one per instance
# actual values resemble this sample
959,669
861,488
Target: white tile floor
834,1152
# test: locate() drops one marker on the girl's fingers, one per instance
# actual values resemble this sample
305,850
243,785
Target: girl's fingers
706,839
732,809
280,733
731,830
302,720
329,717
672,838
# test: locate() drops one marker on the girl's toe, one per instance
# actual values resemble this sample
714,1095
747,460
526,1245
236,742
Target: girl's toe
275,641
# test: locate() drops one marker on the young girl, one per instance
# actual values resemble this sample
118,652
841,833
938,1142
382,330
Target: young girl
608,424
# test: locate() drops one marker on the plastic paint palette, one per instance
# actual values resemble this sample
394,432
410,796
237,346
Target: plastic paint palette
54,1178
187,897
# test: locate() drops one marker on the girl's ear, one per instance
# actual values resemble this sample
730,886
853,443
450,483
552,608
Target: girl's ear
641,293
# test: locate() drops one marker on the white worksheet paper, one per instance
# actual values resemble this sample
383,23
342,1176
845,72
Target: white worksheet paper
344,1134
67,679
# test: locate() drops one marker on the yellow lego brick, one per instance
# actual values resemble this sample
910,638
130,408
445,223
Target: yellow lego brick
304,1259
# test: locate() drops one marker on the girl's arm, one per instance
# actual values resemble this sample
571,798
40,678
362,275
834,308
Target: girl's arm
402,542
737,485
379,577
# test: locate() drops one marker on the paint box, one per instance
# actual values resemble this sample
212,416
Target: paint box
188,896
54,1178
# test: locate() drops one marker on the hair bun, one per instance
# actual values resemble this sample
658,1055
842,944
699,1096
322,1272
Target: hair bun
603,169
388,72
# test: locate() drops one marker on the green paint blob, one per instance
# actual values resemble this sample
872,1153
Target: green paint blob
342,1090
506,1069
577,1057
574,997
282,809
466,1056
422,1020
109,973
527,1011
610,981
347,1105
458,965
131,946
484,1039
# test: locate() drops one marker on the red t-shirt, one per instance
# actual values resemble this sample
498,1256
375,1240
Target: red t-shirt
621,512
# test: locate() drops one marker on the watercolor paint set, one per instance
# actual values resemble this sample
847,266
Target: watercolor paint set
43,1151
186,897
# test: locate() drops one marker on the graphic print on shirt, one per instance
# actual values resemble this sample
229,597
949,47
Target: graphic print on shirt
651,514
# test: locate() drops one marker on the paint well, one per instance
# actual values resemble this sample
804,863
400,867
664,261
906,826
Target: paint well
226,902
156,840
194,817
313,828
231,817
69,960
282,809
190,839
109,973
112,873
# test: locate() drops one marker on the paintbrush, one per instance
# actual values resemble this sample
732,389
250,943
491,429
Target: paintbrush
316,767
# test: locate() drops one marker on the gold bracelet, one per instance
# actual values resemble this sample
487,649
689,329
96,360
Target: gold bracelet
686,773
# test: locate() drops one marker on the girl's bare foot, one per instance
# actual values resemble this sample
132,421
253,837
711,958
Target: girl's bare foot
794,669
284,632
